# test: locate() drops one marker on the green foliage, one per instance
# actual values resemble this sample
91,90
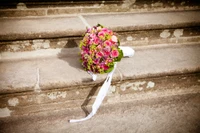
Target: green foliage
117,59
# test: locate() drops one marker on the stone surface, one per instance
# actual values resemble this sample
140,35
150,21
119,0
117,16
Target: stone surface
133,21
40,101
64,69
166,114
164,61
132,38
8,9
22,13
54,27
30,28
17,74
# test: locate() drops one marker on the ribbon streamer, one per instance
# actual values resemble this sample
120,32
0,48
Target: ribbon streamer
101,95
128,52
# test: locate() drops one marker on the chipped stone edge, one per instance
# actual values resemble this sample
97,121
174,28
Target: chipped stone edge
45,53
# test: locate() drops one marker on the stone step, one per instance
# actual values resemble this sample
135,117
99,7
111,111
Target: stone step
36,93
13,8
41,77
54,27
39,86
139,29
157,115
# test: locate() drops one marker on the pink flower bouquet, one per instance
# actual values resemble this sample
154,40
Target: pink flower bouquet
99,50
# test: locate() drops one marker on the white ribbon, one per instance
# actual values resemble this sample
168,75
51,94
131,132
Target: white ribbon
128,52
102,93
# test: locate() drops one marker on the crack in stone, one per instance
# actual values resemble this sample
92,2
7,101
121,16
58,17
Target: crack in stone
37,85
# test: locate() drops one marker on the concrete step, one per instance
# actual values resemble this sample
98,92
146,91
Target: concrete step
164,114
13,8
139,29
39,92
41,85
54,27
41,77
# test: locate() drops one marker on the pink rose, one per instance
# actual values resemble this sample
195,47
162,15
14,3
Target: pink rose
96,40
99,54
114,53
107,43
104,66
101,33
106,53
107,48
92,36
114,38
105,29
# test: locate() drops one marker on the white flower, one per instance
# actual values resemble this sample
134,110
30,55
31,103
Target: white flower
114,38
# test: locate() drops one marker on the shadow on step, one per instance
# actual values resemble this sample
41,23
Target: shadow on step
88,98
70,54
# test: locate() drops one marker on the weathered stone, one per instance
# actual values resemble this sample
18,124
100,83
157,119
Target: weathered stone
22,13
16,29
35,28
67,70
145,21
74,7
151,61
133,38
63,102
21,6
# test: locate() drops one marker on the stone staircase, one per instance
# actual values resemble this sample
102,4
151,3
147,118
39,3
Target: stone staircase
42,84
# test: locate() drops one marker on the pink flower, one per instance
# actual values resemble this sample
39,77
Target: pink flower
99,47
114,53
90,41
92,36
96,40
104,29
101,33
96,61
106,53
99,54
107,48
89,30
107,43
105,67
110,60
114,38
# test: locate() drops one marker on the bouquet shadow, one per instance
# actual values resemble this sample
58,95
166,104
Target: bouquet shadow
69,54
89,98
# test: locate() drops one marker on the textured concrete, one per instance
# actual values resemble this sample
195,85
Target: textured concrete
155,91
132,38
65,69
167,114
162,61
69,100
53,27
132,21
73,7
27,28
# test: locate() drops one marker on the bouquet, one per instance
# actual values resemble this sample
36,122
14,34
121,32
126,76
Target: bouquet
100,50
